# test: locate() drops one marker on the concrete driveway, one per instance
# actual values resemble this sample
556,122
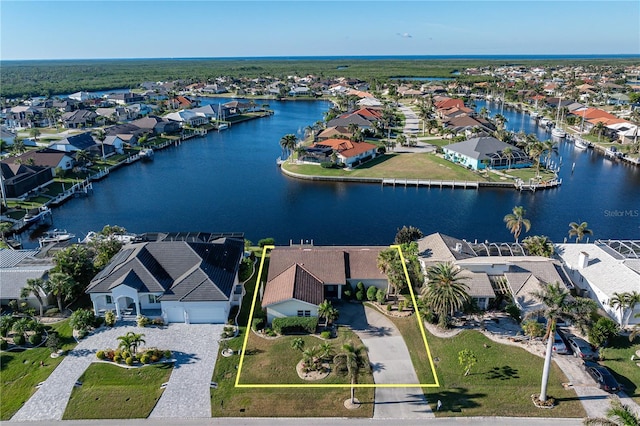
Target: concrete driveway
194,346
390,362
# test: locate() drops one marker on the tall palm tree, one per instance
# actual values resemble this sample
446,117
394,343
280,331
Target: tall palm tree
515,221
61,286
83,157
625,303
599,128
579,230
18,146
508,152
34,132
445,290
288,143
636,329
558,304
34,286
350,360
324,310
618,414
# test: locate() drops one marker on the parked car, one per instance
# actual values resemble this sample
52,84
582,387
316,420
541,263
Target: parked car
559,347
602,376
582,349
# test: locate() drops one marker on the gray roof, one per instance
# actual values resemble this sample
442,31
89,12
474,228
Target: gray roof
479,148
82,141
184,271
10,258
438,247
478,283
16,267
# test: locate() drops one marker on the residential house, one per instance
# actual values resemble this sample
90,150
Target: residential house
601,269
300,278
336,132
18,266
183,281
299,91
156,125
81,142
210,112
78,119
187,118
479,153
81,96
113,144
46,157
349,153
346,119
124,98
7,136
214,88
23,116
19,179
128,132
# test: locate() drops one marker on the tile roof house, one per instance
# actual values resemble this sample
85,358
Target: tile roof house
46,157
16,267
599,271
351,154
300,278
183,281
333,132
478,153
78,119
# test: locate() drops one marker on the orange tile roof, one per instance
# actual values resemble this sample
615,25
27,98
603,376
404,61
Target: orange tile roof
607,121
449,103
590,113
346,148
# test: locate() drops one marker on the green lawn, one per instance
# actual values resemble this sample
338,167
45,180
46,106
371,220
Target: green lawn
529,173
398,166
112,392
20,372
500,384
618,359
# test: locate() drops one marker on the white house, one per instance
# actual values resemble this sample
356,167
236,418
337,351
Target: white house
600,269
187,117
182,281
16,267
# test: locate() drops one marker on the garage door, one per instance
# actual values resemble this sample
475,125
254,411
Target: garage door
205,315
175,314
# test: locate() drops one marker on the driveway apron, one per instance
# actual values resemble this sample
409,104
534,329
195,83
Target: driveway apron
194,347
390,362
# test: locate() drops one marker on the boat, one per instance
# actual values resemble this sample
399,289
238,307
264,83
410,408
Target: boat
222,126
35,215
146,154
94,236
534,115
580,143
544,122
558,132
55,236
612,153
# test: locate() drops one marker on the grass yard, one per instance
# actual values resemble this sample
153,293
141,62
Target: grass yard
399,166
111,392
501,383
529,173
274,361
20,372
618,359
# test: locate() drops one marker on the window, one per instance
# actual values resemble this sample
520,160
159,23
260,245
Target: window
153,298
304,313
109,300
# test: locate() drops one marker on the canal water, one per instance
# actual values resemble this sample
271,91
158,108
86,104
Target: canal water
229,181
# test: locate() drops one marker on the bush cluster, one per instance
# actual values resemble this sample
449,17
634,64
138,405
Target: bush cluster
289,325
325,334
142,321
3,344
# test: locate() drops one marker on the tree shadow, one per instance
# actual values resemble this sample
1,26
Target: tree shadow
378,331
253,351
455,400
183,358
378,366
502,373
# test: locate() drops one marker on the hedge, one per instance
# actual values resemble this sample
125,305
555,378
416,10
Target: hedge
288,325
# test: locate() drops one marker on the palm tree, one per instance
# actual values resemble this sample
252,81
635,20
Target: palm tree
350,360
508,152
625,303
288,143
538,245
535,149
636,329
61,286
131,341
5,227
516,220
18,146
297,344
599,128
500,120
34,132
557,305
444,291
34,286
101,136
484,112
83,157
618,414
324,310
579,230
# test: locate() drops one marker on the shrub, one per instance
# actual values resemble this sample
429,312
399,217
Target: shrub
142,321
101,355
389,307
51,312
380,296
82,334
129,360
110,318
145,359
269,332
35,339
18,339
257,324
371,293
155,358
266,242
327,164
288,325
359,295
125,354
513,311
109,354
3,344
401,305
6,323
325,334
117,358
360,286
429,316
158,322
82,319
53,342
167,354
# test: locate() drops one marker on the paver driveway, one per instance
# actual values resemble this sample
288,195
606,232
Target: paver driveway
195,347
391,364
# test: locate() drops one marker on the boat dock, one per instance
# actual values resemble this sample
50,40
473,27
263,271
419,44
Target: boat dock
432,183
533,185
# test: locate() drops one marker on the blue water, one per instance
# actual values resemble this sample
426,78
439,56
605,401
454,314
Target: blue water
229,181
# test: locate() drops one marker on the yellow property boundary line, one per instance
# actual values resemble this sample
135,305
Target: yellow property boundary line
321,385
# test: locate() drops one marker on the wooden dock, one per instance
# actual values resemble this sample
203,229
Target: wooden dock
432,183
534,186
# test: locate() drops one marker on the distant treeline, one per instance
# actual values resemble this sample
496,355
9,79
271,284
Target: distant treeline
46,78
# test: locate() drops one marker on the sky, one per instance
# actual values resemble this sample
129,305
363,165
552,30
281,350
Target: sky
181,29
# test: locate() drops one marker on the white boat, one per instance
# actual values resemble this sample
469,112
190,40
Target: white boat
55,236
123,238
558,132
35,215
544,122
612,152
222,126
534,115
580,143
146,154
